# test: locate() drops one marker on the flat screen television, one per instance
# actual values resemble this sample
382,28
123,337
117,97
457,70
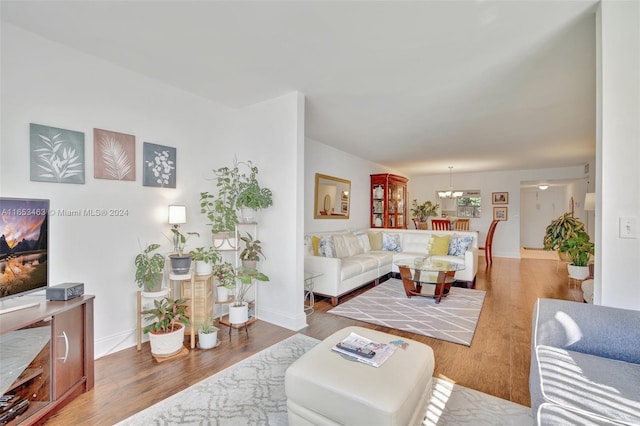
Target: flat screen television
24,248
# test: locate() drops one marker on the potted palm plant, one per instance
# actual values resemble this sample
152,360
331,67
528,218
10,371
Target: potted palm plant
252,251
560,230
166,330
246,277
423,211
579,249
181,261
205,258
149,267
208,333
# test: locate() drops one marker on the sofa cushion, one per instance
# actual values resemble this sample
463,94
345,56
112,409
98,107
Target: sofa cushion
458,246
581,382
391,242
375,240
350,268
440,245
347,245
416,243
364,241
326,247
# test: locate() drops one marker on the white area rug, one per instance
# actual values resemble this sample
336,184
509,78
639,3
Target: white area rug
251,392
454,319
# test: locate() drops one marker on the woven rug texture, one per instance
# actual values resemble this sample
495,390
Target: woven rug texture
454,319
251,392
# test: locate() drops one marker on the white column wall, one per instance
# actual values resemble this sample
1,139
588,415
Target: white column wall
617,268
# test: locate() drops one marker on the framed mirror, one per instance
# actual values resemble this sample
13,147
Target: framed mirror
332,197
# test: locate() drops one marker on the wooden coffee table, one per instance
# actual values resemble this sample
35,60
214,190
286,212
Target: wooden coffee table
420,272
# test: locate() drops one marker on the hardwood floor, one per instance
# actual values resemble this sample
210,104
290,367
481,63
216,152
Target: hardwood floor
497,362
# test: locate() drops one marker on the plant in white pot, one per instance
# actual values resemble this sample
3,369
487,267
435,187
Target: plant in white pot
252,197
579,249
423,211
225,275
252,251
180,261
205,258
149,267
246,277
166,330
208,333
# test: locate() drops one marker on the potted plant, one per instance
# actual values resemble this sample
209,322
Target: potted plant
181,261
579,249
149,267
252,197
239,310
205,258
208,333
560,230
226,276
251,252
166,330
423,211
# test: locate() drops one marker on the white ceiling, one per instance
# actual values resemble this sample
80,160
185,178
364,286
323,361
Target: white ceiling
416,86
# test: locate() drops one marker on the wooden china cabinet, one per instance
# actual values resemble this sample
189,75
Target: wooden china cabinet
388,201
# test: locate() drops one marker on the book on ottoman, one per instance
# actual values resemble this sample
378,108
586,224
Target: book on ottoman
364,350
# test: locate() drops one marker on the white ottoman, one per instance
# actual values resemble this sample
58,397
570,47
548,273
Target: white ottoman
323,388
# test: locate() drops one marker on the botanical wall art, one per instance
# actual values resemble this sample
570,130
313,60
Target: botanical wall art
57,155
159,165
114,155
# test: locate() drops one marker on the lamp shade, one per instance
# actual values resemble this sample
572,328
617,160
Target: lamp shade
177,215
590,201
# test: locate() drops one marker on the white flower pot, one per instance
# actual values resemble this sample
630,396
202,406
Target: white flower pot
224,241
248,215
207,340
203,268
578,272
222,293
239,314
167,344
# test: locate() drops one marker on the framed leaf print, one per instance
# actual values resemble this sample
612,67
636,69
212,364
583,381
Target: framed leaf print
57,155
159,165
114,155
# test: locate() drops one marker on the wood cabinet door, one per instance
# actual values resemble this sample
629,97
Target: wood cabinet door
68,350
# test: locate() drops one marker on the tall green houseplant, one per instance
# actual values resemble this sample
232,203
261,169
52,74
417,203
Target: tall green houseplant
560,230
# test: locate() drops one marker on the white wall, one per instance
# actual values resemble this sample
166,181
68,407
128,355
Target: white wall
617,280
326,160
506,240
47,83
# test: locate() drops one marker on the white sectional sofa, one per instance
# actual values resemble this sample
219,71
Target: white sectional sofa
348,260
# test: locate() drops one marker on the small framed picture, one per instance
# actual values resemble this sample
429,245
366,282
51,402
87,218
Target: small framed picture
500,213
344,208
500,197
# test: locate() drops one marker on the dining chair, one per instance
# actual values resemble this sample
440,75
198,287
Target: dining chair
416,222
488,243
440,224
462,224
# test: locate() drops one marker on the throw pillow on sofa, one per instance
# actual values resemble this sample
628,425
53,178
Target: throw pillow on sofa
459,245
390,242
326,247
440,245
375,240
315,243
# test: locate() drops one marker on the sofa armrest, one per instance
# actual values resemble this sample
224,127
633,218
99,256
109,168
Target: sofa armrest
330,268
591,329
471,259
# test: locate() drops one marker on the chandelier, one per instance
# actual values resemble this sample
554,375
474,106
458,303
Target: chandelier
450,193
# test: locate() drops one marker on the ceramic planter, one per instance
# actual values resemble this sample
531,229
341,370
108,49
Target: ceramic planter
578,272
248,215
224,241
239,314
207,340
203,268
167,344
180,265
223,293
250,264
